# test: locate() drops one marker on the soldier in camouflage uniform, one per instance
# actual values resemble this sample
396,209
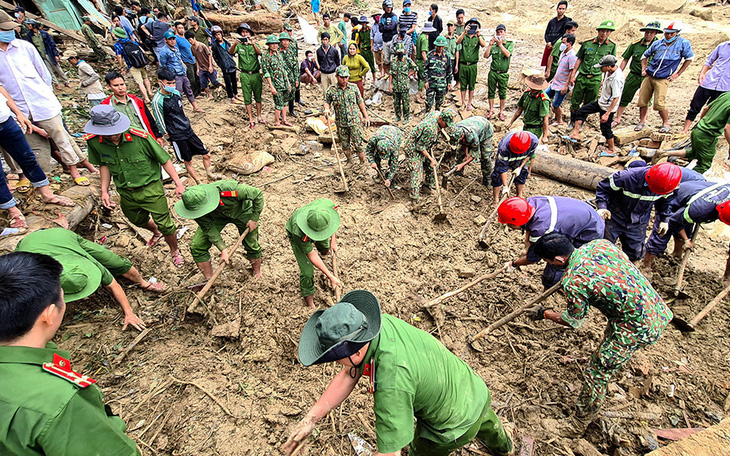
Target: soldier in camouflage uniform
599,274
289,55
474,135
276,74
92,40
418,145
345,99
385,145
401,70
437,73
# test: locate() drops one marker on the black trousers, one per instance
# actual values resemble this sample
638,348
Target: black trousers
701,97
231,82
591,108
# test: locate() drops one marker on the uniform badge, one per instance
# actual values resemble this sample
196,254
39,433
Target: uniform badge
369,371
61,367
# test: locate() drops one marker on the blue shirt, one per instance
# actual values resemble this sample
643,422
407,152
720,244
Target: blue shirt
171,58
665,58
513,160
185,52
695,202
627,196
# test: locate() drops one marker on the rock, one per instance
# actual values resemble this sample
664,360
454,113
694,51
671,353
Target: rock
480,220
314,146
122,240
582,447
475,199
291,411
229,330
396,212
466,272
281,133
702,13
275,419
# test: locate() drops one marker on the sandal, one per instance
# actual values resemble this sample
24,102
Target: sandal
615,123
82,181
664,129
287,123
154,240
489,114
251,125
262,121
23,186
61,201
502,117
177,259
154,287
639,127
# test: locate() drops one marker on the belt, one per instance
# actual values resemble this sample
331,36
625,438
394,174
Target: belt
500,72
467,63
250,72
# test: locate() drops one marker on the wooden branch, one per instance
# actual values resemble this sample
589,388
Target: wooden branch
134,343
207,393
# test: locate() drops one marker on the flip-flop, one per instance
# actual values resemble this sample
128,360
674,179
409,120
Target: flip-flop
23,186
177,259
287,123
568,138
155,287
61,201
82,181
614,124
502,117
664,129
639,127
251,125
605,153
489,114
262,121
154,240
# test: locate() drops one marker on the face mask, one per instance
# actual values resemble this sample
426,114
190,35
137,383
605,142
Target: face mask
311,57
17,15
169,89
563,47
407,9
670,40
7,36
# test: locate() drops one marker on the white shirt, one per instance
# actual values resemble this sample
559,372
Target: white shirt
27,80
4,109
613,87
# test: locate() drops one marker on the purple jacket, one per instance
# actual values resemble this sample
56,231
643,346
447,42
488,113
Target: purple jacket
626,194
695,202
506,159
573,218
718,77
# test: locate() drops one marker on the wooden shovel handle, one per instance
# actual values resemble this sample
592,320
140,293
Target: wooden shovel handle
377,168
337,154
479,279
494,212
338,290
710,306
685,260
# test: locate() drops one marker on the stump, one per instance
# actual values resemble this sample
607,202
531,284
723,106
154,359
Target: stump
263,23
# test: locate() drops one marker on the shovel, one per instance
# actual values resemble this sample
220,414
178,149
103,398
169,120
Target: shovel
377,168
481,278
447,176
678,293
441,216
337,155
511,316
684,326
338,290
482,241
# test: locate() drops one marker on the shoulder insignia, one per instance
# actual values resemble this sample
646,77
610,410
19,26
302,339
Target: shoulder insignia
138,132
61,367
543,96
88,136
127,137
639,41
229,194
611,41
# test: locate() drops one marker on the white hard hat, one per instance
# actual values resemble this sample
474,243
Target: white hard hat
674,27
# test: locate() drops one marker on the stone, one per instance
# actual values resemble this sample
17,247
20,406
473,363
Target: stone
227,330
314,146
475,199
702,13
122,240
466,272
480,220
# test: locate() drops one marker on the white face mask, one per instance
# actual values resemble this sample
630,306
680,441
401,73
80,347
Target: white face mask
563,47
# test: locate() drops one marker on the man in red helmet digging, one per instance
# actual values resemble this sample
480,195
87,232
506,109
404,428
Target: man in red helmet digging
540,215
625,200
515,153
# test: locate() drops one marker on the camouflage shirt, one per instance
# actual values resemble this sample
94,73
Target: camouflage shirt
423,136
274,67
399,70
478,132
90,36
345,103
290,59
385,145
438,70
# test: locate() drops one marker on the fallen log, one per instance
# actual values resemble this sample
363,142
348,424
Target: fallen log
260,23
570,170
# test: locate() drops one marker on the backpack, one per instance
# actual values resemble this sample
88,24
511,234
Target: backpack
135,55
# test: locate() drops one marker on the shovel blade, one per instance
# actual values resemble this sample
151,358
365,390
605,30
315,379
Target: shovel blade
444,182
679,294
682,325
439,217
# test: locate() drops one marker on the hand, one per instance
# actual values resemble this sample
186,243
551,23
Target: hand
161,142
327,112
663,228
425,85
433,163
509,268
547,73
701,78
335,282
572,80
549,45
604,117
604,213
179,190
390,87
687,245
133,320
58,59
537,313
106,201
273,91
43,133
517,171
252,225
301,431
387,183
492,41
643,73
505,190
25,124
225,256
564,90
366,121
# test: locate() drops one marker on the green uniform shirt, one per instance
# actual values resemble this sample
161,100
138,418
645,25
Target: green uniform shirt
248,60
469,49
451,47
421,46
58,241
37,40
385,145
534,108
417,377
134,163
128,110
246,204
89,35
438,70
500,63
43,414
345,103
399,70
717,117
635,52
363,39
423,136
201,35
590,53
290,59
458,30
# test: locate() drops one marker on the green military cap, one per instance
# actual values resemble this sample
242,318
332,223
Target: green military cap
400,48
284,36
80,277
119,32
343,71
653,26
319,219
447,115
272,39
85,18
440,41
197,201
607,25
287,26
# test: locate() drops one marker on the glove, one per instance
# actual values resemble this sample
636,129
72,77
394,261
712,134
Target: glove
505,190
517,171
663,228
537,313
605,214
509,268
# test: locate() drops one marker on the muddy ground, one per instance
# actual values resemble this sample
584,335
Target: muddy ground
240,347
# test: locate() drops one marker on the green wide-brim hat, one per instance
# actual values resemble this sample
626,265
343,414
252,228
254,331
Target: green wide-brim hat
198,201
272,39
79,278
319,219
119,32
607,25
284,36
654,26
360,321
440,41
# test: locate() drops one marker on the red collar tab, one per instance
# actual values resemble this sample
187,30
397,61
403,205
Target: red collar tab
127,136
220,201
305,238
369,371
229,194
61,367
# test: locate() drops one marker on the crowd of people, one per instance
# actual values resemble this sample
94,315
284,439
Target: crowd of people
125,139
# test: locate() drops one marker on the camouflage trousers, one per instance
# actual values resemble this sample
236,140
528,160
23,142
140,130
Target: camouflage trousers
421,171
402,104
434,94
281,98
99,53
350,138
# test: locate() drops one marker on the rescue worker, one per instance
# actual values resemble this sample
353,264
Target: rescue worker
345,99
535,106
474,136
516,154
500,50
437,72
383,146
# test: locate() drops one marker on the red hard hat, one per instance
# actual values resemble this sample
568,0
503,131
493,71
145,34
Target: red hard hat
724,210
515,211
663,178
520,142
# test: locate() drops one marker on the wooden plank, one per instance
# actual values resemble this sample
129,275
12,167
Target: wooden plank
69,33
712,441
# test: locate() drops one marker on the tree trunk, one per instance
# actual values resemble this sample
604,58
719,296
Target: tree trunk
570,170
263,23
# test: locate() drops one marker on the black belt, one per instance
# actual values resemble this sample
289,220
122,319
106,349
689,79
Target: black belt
249,72
500,72
325,72
467,63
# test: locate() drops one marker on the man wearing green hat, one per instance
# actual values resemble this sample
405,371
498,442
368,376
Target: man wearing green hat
474,136
383,146
276,75
418,145
633,53
248,53
313,225
411,376
213,207
47,408
585,78
469,43
92,40
291,60
402,69
86,265
501,51
348,104
437,72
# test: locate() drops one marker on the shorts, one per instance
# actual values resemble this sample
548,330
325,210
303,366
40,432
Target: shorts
387,52
703,147
139,75
501,167
556,96
251,84
378,57
138,204
656,87
185,149
467,77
